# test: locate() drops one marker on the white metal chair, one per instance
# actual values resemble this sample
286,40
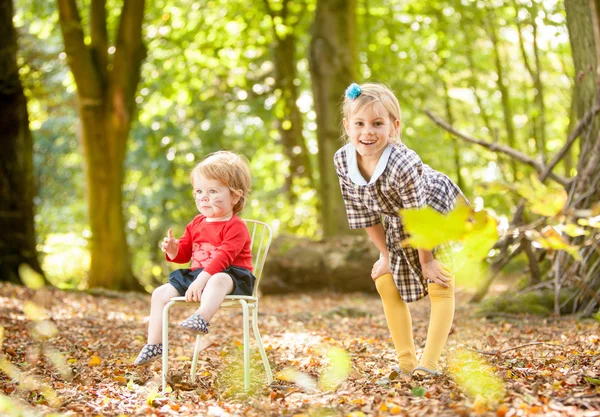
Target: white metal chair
261,235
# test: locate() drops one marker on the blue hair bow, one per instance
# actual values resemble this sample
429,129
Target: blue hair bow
353,91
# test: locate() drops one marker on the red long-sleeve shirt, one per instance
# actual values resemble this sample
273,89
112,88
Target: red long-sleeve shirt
215,246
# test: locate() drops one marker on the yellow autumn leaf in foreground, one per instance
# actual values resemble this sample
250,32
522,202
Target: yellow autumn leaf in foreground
429,228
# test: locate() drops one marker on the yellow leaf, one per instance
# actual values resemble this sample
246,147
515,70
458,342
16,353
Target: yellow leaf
120,380
71,360
94,361
573,230
34,312
183,358
395,410
337,371
30,278
429,228
544,200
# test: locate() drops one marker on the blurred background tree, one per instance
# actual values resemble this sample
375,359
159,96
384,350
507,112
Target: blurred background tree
18,245
265,79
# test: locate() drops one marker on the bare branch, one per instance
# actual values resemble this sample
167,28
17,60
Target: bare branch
495,147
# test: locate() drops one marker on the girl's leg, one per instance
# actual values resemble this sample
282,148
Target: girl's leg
440,322
153,349
398,320
160,297
217,287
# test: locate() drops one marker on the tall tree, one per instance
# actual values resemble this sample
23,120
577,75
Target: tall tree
581,36
17,189
332,63
583,20
284,21
106,85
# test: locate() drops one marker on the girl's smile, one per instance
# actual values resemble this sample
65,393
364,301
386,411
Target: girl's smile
370,129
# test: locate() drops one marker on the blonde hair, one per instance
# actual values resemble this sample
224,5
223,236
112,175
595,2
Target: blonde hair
370,94
229,168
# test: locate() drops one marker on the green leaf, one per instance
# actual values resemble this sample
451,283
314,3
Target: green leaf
418,391
595,381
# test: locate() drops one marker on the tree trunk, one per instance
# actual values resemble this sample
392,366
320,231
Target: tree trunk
581,37
17,189
332,68
505,93
583,21
288,113
106,90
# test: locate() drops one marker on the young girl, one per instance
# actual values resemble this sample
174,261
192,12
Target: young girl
379,176
218,244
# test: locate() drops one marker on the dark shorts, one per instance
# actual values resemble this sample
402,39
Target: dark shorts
243,280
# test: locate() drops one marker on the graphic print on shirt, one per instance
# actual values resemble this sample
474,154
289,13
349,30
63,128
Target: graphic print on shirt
202,254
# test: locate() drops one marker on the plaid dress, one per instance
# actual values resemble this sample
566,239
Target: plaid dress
400,181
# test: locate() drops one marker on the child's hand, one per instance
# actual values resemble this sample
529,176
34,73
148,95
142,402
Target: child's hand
382,266
436,271
170,245
194,291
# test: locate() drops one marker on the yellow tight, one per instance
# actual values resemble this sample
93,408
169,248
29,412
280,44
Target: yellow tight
440,322
399,322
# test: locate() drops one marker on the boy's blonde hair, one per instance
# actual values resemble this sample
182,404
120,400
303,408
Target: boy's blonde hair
371,93
231,169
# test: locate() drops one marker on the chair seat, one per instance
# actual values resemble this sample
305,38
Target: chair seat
230,300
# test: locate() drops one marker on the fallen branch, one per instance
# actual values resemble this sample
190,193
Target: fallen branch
500,352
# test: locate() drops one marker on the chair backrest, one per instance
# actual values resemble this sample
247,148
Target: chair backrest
261,235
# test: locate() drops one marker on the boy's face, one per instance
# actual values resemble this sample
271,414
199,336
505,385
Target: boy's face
370,129
213,198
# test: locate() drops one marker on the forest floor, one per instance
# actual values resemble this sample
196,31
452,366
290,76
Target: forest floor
71,353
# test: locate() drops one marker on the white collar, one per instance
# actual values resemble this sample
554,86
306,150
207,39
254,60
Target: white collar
354,172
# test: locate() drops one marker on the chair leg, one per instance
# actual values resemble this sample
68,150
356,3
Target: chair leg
246,319
195,357
165,342
259,343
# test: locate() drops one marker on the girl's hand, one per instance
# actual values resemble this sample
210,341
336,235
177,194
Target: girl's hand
381,267
170,245
436,271
194,291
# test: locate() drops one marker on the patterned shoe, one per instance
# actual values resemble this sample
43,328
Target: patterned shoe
195,324
148,354
422,372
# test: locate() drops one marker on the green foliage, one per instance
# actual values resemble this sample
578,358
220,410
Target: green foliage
208,83
540,302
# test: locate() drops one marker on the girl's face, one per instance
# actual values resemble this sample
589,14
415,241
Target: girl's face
370,129
213,198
